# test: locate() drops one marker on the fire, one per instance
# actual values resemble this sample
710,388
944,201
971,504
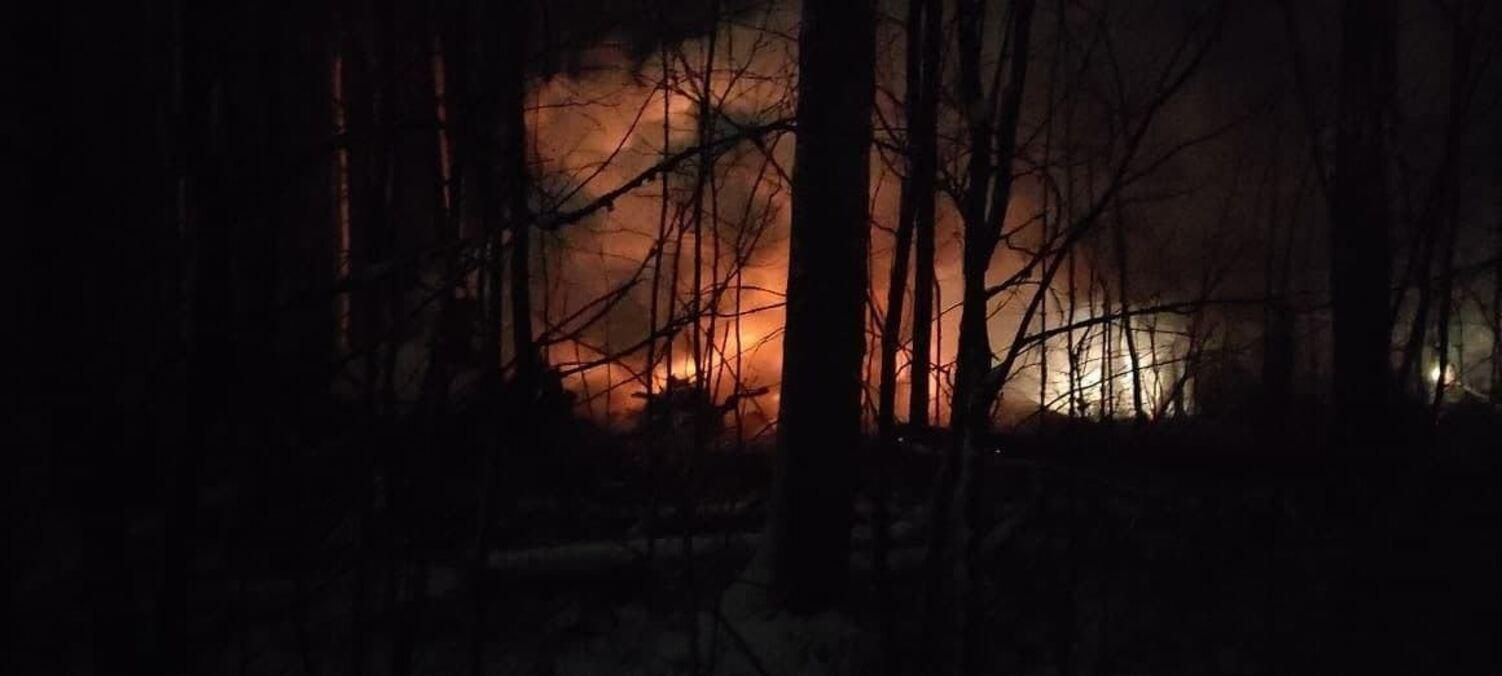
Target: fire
602,128
1095,394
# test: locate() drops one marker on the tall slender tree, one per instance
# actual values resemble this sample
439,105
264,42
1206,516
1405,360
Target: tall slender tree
916,203
923,142
1496,314
992,128
1360,217
993,120
511,133
891,330
1463,19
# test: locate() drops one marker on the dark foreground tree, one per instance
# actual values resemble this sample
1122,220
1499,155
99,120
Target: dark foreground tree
820,414
1359,274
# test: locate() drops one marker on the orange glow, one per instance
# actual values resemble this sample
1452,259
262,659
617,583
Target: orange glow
1160,352
604,127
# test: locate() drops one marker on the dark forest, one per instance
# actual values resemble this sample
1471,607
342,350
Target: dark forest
753,337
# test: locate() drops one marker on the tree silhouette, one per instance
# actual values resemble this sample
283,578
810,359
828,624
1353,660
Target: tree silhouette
819,419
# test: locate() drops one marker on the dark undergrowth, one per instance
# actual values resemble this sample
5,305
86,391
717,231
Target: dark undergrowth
1176,547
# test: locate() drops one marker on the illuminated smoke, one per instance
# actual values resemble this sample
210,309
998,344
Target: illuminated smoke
600,128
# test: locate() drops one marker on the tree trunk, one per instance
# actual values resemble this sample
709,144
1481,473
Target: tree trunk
514,184
1277,317
1139,413
1359,265
923,137
987,197
986,200
820,414
1463,40
1496,313
891,330
917,187
974,351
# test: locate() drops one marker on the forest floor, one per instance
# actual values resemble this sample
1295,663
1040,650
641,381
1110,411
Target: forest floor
1184,548
1174,550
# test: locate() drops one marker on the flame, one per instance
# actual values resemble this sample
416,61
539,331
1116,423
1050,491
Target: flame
600,129
1095,394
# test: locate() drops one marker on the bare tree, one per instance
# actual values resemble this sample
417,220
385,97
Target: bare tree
512,145
1496,305
1360,218
1464,19
923,127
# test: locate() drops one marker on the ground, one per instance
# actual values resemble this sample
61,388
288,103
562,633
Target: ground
1104,549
